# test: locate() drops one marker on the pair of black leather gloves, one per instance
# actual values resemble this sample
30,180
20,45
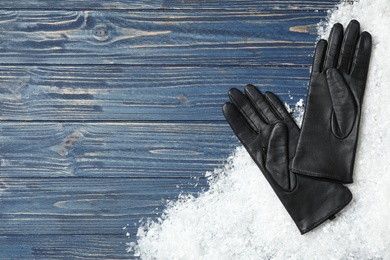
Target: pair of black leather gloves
307,167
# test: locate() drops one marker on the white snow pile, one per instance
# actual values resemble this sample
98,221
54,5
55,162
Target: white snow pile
240,217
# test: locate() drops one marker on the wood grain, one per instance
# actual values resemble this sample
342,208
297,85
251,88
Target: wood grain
110,93
93,247
85,206
178,38
110,108
83,218
113,149
242,5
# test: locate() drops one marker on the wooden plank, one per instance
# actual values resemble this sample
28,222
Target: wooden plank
113,149
22,247
96,93
233,5
85,206
102,71
212,38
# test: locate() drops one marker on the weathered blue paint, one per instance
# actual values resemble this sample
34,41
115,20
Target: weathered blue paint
109,108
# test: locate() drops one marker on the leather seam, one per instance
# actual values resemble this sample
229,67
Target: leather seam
321,175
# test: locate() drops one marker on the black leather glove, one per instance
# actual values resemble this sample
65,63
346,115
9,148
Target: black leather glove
328,140
269,134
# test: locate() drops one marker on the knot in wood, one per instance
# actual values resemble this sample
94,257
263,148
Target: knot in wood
100,32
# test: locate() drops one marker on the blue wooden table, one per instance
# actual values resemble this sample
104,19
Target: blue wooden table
109,108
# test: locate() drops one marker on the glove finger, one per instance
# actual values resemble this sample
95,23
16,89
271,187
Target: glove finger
361,60
277,106
293,130
240,127
260,103
278,157
334,45
348,46
319,56
247,110
344,108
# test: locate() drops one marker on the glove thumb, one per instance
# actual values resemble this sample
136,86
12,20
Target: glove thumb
278,158
344,105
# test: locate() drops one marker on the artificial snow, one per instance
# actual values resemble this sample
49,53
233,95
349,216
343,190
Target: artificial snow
240,217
